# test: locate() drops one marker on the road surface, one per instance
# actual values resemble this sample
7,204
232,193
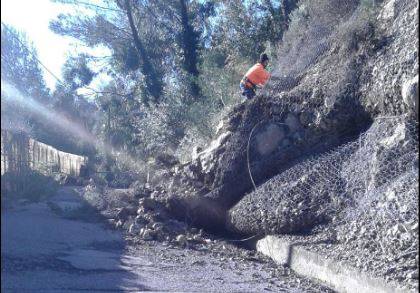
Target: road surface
42,251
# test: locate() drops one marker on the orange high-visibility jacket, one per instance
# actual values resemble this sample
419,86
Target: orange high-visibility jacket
257,75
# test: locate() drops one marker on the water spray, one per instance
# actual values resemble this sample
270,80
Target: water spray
10,93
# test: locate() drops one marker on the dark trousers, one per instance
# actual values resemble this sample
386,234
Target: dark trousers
249,93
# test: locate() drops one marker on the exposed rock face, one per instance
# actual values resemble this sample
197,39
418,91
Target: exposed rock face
410,95
279,138
269,139
207,159
397,59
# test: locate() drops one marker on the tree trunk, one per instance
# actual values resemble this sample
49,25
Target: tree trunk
153,82
189,43
281,16
287,7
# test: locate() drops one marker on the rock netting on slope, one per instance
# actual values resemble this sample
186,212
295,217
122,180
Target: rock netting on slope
395,66
320,110
318,189
282,133
326,106
298,199
363,193
383,180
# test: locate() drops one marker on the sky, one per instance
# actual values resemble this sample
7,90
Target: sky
33,17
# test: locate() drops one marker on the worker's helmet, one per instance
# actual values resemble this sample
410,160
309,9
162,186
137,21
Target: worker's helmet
263,57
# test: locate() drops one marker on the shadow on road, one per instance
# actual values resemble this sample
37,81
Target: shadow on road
45,249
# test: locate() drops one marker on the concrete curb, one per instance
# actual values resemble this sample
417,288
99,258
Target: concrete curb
314,265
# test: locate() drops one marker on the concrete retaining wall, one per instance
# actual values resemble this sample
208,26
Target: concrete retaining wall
314,265
20,152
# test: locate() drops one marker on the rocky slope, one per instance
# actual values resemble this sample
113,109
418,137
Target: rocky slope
332,149
392,73
331,103
333,146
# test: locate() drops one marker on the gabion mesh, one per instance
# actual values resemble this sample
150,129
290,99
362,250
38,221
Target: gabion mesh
381,184
370,182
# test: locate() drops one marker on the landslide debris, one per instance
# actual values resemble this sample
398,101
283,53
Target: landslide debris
331,147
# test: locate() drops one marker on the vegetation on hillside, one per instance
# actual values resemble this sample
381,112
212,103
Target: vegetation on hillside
173,67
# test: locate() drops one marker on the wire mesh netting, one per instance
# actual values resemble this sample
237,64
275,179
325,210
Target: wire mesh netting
370,182
381,186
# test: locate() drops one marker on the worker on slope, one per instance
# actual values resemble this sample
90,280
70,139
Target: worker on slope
256,77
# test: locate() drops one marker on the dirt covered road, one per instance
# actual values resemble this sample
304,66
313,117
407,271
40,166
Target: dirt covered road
42,251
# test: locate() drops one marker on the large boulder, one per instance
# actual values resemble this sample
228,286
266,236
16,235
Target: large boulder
410,94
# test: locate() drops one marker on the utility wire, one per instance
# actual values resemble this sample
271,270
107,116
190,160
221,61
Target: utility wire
33,55
52,74
80,3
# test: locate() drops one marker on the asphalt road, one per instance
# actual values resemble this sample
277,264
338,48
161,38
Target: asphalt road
43,252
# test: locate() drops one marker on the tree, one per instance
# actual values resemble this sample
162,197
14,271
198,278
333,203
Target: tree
76,72
160,38
73,107
245,28
278,18
20,68
153,81
119,26
175,63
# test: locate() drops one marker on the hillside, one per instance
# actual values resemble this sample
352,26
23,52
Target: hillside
333,150
325,155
